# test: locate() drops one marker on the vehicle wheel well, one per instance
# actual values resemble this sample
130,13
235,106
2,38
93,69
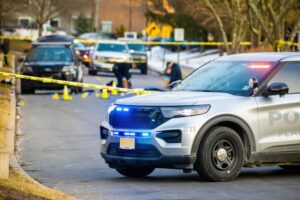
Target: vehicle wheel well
241,132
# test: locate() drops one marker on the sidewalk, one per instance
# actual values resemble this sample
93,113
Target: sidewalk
189,61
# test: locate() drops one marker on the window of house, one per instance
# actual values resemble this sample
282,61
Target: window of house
55,23
106,26
24,22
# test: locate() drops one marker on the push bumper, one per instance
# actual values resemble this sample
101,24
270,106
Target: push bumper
177,162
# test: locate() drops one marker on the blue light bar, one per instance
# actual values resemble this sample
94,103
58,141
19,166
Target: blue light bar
119,109
145,134
131,134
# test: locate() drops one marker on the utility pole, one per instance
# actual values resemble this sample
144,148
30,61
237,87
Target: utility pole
97,15
130,15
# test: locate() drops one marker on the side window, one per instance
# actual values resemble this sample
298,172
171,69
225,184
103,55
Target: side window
290,75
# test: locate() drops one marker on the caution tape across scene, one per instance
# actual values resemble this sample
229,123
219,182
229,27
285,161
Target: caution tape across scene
76,84
93,41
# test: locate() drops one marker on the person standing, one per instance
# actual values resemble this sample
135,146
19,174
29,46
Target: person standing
5,50
171,74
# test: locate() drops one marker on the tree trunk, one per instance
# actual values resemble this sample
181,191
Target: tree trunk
40,29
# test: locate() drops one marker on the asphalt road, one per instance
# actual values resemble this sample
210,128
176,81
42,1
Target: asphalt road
59,146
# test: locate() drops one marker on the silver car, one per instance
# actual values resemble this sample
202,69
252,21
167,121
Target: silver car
235,111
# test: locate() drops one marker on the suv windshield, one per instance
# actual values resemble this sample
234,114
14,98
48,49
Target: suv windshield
226,76
137,47
54,54
112,47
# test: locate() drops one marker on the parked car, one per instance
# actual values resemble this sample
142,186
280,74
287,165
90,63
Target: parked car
235,111
83,52
56,60
106,54
56,38
139,53
96,36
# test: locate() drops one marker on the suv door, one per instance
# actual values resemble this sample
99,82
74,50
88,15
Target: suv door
279,116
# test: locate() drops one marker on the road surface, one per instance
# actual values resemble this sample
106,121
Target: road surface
59,146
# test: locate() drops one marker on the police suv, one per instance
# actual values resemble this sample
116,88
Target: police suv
235,111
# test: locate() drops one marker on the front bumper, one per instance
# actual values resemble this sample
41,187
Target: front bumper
41,85
173,162
102,66
170,155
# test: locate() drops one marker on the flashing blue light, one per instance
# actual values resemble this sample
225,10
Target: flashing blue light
115,133
119,109
125,109
131,134
145,134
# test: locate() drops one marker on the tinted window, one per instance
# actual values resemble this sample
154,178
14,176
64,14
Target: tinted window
54,54
112,47
290,75
226,76
78,45
137,47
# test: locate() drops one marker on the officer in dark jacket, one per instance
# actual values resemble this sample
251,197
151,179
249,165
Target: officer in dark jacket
171,74
5,50
122,73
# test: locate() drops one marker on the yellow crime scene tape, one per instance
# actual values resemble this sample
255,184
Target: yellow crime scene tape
76,84
93,41
114,61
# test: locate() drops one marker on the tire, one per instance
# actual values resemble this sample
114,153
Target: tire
220,155
92,72
80,89
290,167
25,89
144,70
134,172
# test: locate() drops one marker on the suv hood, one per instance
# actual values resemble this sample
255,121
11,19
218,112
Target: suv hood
112,54
47,63
174,98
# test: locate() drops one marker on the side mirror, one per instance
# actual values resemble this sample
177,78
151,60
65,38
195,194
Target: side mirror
174,84
276,89
131,51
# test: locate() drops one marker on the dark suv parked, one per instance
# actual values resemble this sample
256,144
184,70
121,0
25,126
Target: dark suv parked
56,60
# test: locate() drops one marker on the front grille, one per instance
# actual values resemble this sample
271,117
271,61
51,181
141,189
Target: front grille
136,117
47,70
140,151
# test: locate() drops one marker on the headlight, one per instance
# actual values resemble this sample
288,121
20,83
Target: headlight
111,108
99,58
69,69
27,68
184,111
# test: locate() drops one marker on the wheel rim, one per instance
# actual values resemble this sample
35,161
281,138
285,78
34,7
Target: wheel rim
223,155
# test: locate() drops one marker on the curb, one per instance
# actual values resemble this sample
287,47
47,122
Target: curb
11,134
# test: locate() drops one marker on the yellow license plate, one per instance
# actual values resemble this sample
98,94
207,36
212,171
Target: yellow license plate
127,143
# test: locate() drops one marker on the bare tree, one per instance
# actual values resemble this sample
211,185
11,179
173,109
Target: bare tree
271,15
44,10
230,18
8,7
